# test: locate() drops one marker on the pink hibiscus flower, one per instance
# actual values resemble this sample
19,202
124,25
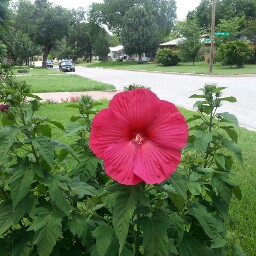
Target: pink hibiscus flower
139,137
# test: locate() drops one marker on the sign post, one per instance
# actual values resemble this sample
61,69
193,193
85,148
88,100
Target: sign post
212,35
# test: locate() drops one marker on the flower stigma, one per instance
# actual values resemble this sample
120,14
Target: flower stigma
139,139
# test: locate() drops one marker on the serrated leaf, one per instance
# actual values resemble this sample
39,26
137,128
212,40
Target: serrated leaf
44,149
5,217
44,130
222,207
155,238
48,230
23,244
74,128
190,246
176,229
20,183
123,212
227,117
79,227
221,183
7,137
57,194
82,189
202,141
179,184
230,99
104,235
209,223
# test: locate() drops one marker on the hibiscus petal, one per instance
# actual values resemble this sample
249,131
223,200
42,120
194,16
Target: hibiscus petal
107,128
136,106
169,128
154,164
119,163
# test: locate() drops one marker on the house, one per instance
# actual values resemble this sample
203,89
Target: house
173,44
118,53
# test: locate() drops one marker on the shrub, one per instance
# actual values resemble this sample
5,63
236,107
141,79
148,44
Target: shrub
236,52
56,199
167,57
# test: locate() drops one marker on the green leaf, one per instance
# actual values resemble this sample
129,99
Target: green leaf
73,105
48,230
44,130
202,141
57,124
220,159
227,117
20,183
231,133
222,207
82,189
5,217
58,196
176,229
211,226
123,212
30,95
104,235
179,184
194,188
155,238
221,182
237,250
74,128
190,246
237,192
233,148
197,96
230,99
7,137
44,149
23,244
79,227
218,89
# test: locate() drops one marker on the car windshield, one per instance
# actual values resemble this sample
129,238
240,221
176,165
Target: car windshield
66,63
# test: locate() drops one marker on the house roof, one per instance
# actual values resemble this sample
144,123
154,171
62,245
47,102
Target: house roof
116,48
173,42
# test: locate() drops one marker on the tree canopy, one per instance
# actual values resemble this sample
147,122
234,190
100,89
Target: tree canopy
139,32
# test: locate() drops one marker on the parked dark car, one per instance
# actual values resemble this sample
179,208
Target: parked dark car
49,64
66,66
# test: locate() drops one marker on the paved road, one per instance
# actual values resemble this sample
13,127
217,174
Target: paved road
177,88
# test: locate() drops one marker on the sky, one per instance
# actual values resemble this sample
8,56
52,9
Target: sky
183,6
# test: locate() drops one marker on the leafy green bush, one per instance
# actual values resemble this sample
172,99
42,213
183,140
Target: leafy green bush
236,52
56,199
167,57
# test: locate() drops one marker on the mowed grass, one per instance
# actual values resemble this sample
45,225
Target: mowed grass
183,67
49,80
243,212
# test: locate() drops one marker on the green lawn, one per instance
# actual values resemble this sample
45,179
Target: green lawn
49,80
243,211
183,67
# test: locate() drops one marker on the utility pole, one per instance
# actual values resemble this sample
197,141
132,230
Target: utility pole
212,35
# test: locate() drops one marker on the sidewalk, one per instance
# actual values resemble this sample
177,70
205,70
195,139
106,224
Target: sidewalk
62,96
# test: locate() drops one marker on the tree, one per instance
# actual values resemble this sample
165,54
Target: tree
250,31
139,32
22,47
190,45
225,10
112,13
235,53
4,13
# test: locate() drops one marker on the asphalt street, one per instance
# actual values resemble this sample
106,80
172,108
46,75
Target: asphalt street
177,88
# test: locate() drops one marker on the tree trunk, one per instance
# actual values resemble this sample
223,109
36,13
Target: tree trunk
47,50
140,58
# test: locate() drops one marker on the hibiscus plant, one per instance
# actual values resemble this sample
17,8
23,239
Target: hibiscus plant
132,183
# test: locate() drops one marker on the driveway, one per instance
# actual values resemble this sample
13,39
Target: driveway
177,88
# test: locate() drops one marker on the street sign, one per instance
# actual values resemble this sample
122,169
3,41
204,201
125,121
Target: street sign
207,40
221,33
